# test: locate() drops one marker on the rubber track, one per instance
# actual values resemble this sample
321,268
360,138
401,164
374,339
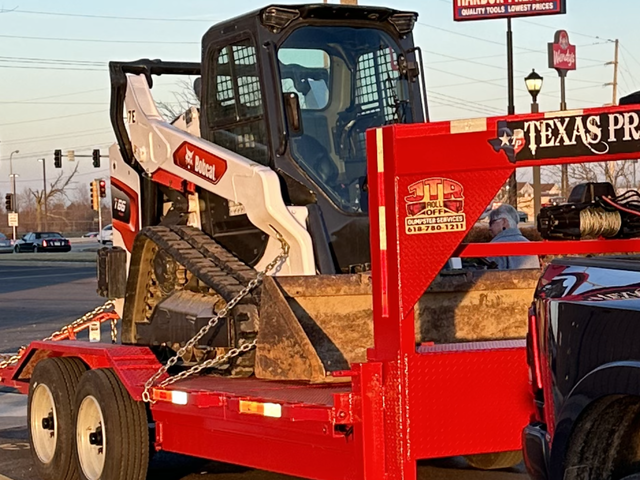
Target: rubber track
204,266
219,255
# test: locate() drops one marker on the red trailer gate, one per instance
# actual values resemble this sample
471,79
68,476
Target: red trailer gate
428,185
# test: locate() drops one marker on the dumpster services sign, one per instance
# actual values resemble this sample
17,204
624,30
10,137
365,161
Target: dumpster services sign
464,10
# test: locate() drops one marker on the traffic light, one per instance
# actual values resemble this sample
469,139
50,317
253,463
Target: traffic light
96,158
57,158
8,202
103,188
95,199
71,155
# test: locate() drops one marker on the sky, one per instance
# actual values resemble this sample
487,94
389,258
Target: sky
54,84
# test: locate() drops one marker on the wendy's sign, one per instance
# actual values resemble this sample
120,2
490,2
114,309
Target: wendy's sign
562,55
464,10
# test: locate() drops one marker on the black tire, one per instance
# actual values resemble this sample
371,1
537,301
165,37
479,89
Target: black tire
61,377
17,249
494,461
125,445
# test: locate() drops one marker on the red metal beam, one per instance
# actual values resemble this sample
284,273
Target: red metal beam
574,247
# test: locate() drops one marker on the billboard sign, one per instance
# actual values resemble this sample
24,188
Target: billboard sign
464,10
562,55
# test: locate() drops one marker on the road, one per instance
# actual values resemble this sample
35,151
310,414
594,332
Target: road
38,299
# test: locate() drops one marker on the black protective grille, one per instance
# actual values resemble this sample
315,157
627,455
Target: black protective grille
236,112
375,80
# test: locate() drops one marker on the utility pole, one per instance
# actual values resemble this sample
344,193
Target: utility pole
615,64
44,192
511,110
13,189
611,166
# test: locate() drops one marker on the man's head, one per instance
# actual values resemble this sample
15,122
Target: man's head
503,218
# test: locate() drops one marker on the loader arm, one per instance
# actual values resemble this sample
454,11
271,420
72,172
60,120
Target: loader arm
162,150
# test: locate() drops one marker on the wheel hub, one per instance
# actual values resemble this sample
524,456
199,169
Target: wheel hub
48,422
95,438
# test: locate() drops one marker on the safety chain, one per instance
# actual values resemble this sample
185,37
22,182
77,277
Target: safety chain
9,360
213,321
114,330
86,317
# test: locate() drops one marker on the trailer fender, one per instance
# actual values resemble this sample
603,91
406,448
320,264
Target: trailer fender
133,365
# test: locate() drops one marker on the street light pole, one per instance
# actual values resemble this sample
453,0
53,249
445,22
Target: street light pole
44,192
534,86
13,189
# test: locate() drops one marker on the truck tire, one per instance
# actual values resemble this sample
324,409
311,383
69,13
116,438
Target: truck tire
494,461
112,432
50,417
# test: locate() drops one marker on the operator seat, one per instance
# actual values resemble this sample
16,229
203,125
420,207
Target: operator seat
315,160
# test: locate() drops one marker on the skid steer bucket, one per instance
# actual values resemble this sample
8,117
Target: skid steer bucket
313,326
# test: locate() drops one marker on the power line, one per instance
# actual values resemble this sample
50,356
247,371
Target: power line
98,40
69,69
572,33
51,118
81,133
487,110
629,52
60,95
462,84
52,103
110,17
55,61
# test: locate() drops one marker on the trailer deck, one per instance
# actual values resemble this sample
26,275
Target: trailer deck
406,402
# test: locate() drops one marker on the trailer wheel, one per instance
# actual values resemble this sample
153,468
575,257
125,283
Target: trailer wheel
494,461
50,417
112,433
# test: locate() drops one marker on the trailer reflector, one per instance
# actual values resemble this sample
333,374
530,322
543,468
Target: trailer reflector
273,410
173,396
179,398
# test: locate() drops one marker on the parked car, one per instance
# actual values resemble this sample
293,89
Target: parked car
106,235
42,242
523,217
6,245
91,235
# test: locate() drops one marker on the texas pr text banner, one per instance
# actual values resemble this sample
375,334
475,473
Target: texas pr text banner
465,10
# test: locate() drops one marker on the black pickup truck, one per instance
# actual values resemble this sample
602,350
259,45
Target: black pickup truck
584,358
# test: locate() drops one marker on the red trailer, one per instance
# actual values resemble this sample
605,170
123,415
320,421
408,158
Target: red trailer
405,403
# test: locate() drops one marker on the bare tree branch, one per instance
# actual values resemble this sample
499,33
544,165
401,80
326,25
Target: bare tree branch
184,99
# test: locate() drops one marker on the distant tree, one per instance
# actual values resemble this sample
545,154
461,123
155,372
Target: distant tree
619,174
57,191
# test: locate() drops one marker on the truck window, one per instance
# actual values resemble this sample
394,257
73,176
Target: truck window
235,109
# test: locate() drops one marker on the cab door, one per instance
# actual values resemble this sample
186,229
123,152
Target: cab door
233,116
